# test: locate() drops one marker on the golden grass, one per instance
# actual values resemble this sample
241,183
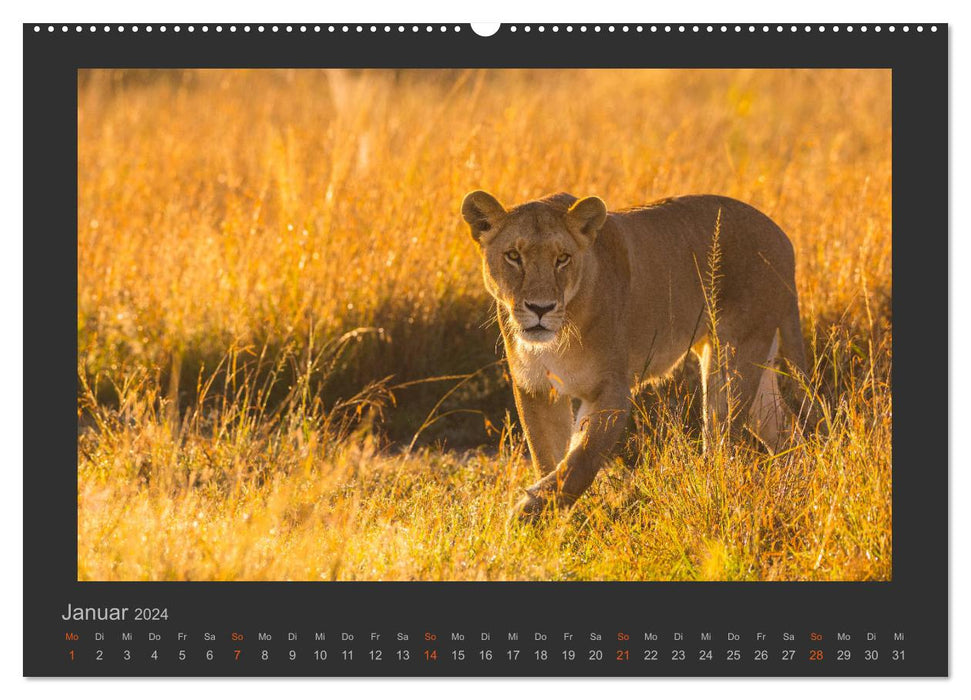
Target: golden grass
270,260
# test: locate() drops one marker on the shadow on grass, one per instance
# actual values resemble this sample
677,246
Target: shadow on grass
419,360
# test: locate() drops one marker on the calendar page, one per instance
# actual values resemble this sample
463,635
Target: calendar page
451,350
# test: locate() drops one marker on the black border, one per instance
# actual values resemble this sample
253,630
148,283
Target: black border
915,602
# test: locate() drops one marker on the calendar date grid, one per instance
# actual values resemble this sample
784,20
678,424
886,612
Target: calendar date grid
328,651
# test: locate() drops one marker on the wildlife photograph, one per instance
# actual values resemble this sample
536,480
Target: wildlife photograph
484,325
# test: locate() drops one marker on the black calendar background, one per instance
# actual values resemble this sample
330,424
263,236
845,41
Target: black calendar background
913,604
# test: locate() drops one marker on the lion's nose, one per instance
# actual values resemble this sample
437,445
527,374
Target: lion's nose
540,309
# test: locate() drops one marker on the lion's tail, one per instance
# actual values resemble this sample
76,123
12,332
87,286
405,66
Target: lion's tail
792,349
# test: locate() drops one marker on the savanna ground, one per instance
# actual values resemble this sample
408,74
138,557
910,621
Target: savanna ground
286,364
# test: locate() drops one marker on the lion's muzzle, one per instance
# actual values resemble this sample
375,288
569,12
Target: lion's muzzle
538,322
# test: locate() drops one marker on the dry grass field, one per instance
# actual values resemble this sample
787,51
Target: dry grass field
286,366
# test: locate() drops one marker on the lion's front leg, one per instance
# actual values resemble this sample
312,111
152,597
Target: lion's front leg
601,424
547,421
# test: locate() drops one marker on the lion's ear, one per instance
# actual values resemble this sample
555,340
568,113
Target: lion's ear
587,216
482,211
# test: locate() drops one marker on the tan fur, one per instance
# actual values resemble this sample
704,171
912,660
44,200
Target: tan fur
592,304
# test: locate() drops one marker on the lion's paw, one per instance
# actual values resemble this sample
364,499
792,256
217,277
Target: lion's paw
538,503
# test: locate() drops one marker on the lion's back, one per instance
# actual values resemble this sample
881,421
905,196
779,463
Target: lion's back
680,231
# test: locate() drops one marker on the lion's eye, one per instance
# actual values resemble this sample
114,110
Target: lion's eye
563,259
513,256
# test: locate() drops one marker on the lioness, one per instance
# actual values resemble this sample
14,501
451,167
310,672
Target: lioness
592,304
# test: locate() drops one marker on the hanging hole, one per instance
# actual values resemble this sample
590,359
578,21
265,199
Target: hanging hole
485,28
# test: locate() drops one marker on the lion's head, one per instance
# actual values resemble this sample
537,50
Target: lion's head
534,257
